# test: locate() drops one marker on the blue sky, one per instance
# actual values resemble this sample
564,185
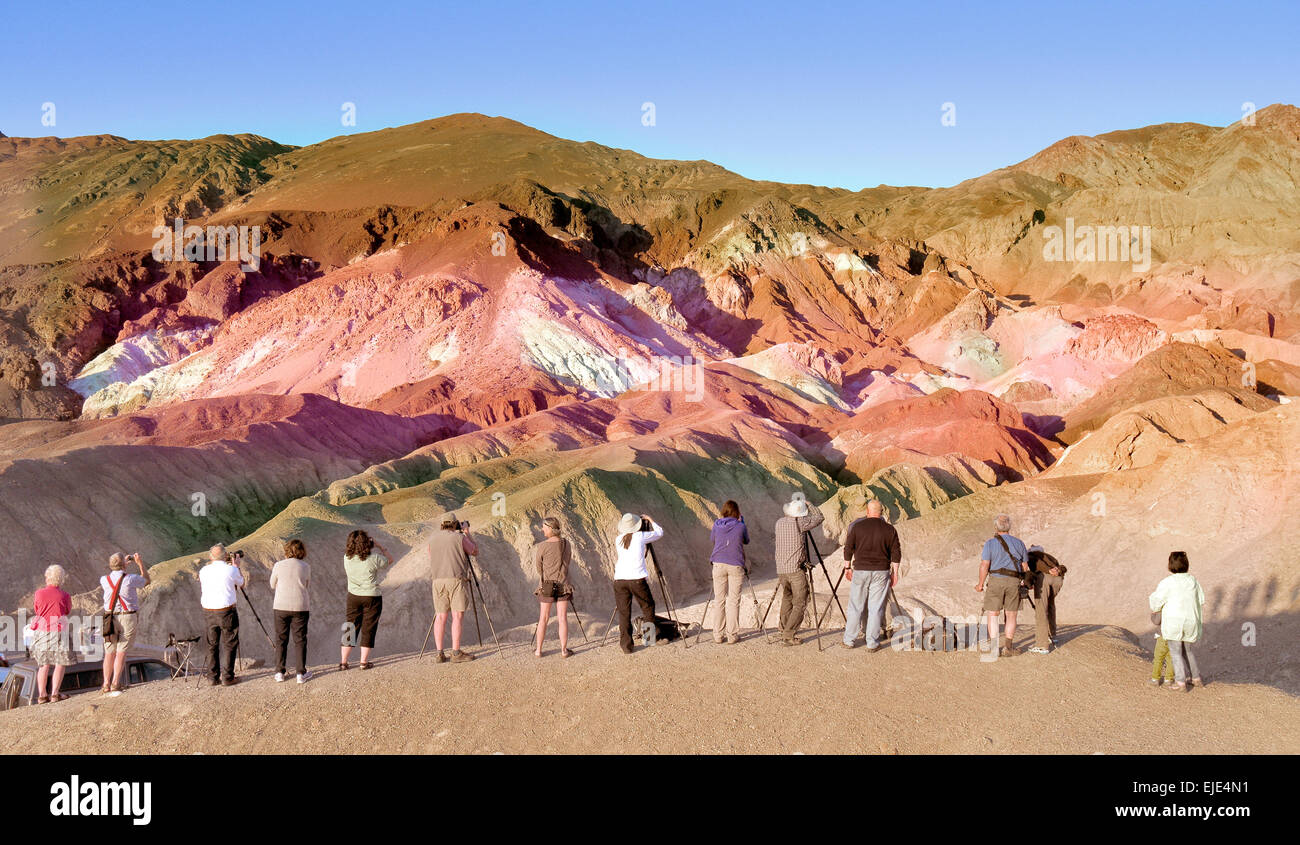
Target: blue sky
848,95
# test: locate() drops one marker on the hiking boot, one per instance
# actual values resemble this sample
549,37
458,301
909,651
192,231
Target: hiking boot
872,649
458,656
847,645
791,640
229,682
214,680
440,657
1008,648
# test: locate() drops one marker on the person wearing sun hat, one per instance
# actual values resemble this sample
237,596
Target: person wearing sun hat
791,558
630,574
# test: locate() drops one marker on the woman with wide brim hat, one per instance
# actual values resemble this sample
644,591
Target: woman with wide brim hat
630,574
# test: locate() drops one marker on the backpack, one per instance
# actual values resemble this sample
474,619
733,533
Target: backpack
662,629
940,636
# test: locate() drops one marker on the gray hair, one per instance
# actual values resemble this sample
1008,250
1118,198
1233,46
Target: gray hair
54,575
115,561
876,506
218,551
1002,522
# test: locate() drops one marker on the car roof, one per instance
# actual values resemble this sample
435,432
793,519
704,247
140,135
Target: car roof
136,654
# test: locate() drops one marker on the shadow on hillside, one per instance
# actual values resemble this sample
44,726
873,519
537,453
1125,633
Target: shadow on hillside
1246,650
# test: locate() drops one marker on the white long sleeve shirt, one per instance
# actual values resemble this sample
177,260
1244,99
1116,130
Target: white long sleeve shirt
1179,598
631,561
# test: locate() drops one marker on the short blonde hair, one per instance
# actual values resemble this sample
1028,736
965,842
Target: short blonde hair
54,575
115,561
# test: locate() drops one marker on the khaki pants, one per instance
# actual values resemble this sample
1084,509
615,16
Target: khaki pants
793,587
1046,589
727,581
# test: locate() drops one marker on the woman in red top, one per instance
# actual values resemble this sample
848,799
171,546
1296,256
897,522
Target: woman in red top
50,644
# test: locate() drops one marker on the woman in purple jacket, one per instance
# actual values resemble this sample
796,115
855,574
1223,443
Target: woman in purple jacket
729,537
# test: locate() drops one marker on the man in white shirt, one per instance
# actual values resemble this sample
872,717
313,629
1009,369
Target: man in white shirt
630,573
218,581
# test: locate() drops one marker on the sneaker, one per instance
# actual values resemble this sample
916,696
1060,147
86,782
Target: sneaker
304,677
1039,650
1155,682
440,657
458,656
280,677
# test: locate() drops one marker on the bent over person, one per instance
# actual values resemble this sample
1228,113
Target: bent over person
791,560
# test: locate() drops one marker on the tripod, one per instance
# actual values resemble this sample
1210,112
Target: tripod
265,633
752,596
474,602
812,593
663,589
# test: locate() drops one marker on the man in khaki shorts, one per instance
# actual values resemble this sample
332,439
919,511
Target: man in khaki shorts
121,589
1002,560
449,552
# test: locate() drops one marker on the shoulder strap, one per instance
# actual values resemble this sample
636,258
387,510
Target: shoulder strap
1007,549
116,589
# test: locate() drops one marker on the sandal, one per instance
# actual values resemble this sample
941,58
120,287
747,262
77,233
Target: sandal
44,699
58,696
343,667
104,689
366,665
564,652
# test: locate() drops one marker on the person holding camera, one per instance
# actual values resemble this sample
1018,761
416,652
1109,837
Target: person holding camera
791,563
634,534
361,564
218,582
1048,575
1004,563
450,549
552,557
292,608
729,536
122,602
871,558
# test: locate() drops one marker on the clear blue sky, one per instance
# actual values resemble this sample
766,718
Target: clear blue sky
847,95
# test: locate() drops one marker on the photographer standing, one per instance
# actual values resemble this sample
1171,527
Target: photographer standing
630,575
122,593
292,607
791,561
729,536
361,564
552,557
219,581
1003,563
871,557
449,552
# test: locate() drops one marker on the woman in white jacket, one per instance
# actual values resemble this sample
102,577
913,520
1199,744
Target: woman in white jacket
630,575
1178,600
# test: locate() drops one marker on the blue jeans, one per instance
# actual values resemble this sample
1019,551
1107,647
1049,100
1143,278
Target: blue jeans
867,593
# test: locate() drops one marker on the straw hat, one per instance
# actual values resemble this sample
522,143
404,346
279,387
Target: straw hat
629,523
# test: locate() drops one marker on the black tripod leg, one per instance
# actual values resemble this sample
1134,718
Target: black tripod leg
610,625
428,634
834,589
486,613
668,598
578,617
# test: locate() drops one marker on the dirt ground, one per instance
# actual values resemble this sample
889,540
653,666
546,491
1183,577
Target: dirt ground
1091,696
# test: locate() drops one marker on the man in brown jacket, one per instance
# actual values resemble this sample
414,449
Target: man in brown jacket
871,558
1048,576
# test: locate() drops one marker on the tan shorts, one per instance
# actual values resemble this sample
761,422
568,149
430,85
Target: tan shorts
1001,592
125,625
450,594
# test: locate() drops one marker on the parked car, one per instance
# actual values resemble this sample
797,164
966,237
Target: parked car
144,664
